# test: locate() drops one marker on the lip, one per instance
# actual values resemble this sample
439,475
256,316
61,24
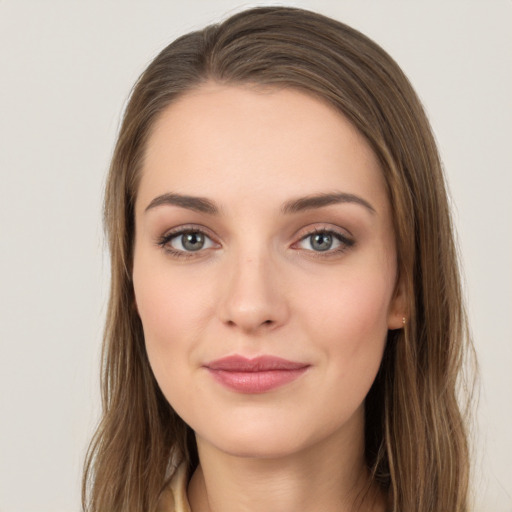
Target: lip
257,375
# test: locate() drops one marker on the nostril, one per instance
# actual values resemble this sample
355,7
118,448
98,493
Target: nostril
251,325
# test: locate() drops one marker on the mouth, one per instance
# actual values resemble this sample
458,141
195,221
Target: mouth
257,375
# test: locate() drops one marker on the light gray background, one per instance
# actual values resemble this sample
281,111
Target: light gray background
66,68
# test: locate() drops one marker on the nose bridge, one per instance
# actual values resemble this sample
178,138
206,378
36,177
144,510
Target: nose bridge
253,297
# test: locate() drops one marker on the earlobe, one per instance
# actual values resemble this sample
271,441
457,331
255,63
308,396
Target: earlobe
397,316
396,321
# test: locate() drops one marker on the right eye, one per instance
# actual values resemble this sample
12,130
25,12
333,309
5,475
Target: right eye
186,241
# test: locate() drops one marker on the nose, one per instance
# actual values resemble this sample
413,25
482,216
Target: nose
253,297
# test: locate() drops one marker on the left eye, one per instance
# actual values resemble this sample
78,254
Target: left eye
323,241
190,241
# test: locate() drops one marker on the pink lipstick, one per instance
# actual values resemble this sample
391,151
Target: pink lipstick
256,375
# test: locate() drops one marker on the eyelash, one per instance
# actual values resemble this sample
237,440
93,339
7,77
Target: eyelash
164,241
345,242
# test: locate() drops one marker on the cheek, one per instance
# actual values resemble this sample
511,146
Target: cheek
356,305
168,301
169,318
349,326
172,311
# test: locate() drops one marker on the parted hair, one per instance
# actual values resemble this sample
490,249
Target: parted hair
416,445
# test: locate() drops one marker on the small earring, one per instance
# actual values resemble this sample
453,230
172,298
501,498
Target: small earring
403,320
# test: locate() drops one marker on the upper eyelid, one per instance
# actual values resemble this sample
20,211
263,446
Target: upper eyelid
164,240
186,228
299,234
322,227
340,236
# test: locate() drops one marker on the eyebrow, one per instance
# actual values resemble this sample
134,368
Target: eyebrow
321,200
198,204
204,205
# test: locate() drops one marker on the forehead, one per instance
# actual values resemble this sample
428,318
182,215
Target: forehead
229,142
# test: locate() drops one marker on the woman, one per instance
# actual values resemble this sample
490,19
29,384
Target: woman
285,327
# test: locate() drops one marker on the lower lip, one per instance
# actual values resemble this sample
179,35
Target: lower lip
256,382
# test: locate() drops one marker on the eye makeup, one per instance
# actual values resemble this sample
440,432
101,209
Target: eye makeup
186,241
193,241
324,242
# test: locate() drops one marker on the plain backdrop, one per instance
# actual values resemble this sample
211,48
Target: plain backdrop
66,69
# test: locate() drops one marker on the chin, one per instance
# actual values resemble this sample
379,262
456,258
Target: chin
265,439
259,447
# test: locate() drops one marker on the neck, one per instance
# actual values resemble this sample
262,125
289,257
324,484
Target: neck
330,475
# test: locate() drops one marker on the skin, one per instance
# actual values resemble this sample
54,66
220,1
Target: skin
259,287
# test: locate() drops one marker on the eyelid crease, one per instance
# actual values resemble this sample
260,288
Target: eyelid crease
324,227
183,230
163,241
347,240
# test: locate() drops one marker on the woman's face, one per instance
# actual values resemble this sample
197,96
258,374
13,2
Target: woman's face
264,268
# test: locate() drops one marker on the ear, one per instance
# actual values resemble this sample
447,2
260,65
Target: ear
397,313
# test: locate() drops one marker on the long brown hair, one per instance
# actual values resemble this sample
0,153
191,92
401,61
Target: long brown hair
416,442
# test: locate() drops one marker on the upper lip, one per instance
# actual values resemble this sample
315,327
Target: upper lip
263,363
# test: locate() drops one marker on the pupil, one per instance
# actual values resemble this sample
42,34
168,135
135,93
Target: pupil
192,241
321,242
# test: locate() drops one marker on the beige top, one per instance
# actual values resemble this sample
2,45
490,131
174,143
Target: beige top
174,497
